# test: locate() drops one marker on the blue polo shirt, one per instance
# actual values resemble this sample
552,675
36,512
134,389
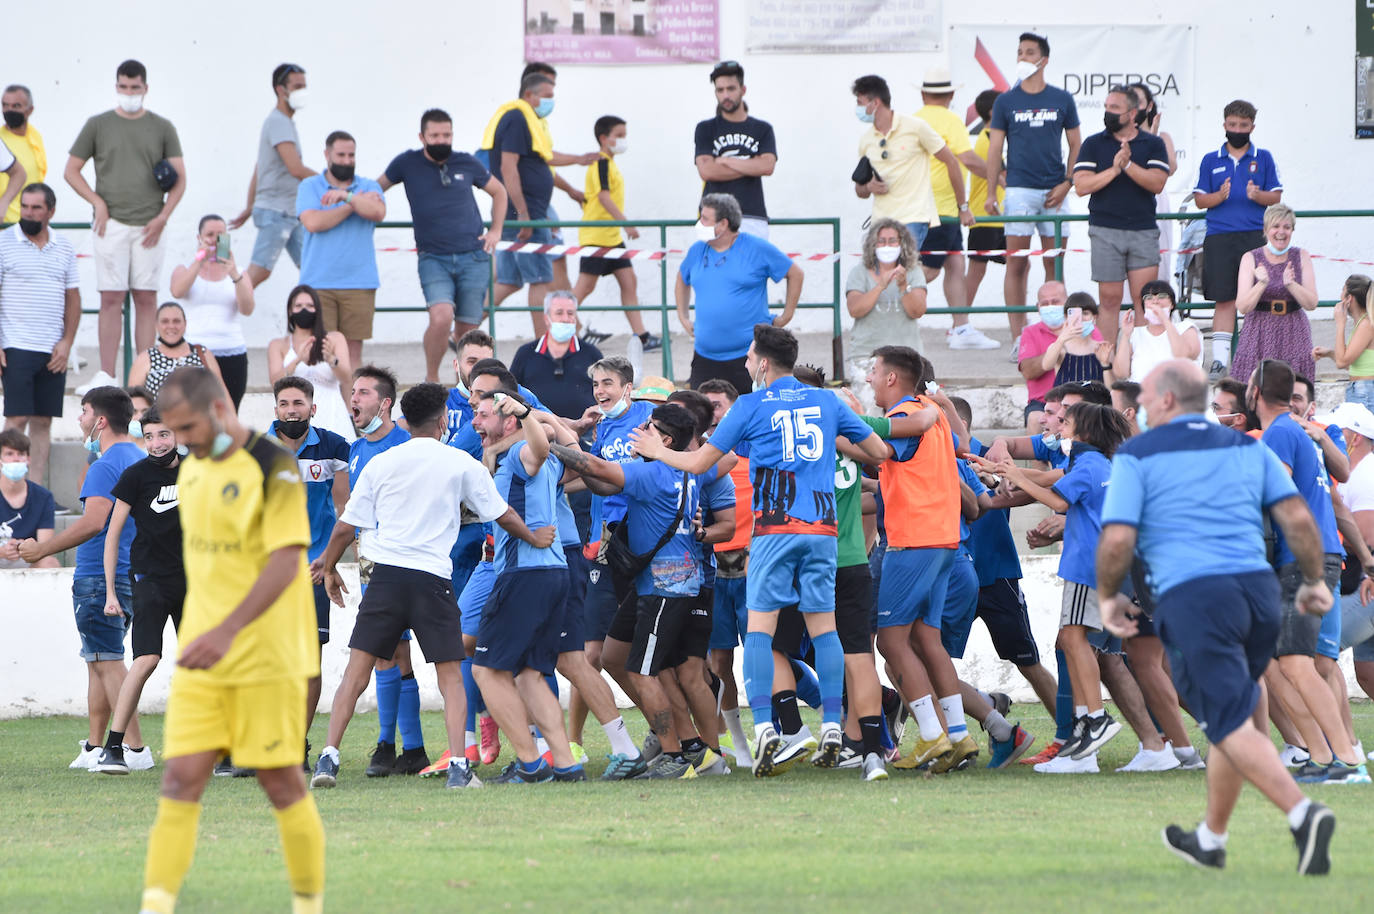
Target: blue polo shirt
1165,484
1122,204
1084,486
442,205
991,540
321,455
1046,454
343,257
1303,458
1237,213
731,292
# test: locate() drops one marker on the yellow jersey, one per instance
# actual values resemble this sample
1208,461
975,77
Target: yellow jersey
978,187
29,150
952,130
235,512
604,175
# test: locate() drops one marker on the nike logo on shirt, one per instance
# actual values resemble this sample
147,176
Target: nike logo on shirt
166,500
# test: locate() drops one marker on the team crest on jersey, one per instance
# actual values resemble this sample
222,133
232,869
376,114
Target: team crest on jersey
230,492
316,471
595,575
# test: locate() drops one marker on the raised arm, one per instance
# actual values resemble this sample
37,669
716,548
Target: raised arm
602,476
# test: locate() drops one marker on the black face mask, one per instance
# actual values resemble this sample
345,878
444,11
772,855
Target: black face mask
14,119
341,172
1237,140
171,344
304,319
439,152
164,460
1112,121
1145,115
30,227
294,429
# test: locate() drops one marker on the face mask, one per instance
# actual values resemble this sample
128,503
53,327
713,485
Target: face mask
293,428
1237,140
1053,316
92,444
130,104
304,319
171,344
1276,251
372,426
620,406
863,114
14,119
297,99
223,441
1112,121
544,108
1065,446
135,430
341,172
1025,69
561,332
1152,319
14,471
463,390
706,233
439,152
164,460
182,450
888,253
620,146
761,380
1145,115
1049,439
1088,327
30,227
1141,419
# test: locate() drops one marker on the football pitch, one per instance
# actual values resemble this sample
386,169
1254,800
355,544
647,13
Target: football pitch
809,840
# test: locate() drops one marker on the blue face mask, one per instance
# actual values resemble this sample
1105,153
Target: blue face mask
14,471
223,441
1088,327
92,445
620,406
1275,251
863,114
372,426
561,332
463,390
1141,419
544,108
1053,316
1050,440
135,429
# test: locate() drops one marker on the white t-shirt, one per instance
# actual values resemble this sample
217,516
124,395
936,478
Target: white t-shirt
212,316
1148,350
408,499
1358,491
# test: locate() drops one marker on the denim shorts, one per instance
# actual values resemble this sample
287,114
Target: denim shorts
918,231
1030,201
1361,391
460,279
1357,626
276,230
524,269
102,636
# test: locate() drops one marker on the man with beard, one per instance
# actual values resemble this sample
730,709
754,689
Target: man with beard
735,151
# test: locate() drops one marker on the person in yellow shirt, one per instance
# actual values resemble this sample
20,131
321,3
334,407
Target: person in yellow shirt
25,145
937,92
248,626
604,202
986,236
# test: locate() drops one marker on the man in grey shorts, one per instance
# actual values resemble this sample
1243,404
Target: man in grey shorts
1121,170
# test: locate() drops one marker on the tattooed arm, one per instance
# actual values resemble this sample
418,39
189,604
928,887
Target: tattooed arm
601,476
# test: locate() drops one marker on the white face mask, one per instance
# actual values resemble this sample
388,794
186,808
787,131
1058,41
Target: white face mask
1152,318
620,146
298,98
131,104
888,253
1065,445
1025,69
706,233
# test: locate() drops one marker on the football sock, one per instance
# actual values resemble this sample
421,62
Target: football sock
530,767
302,844
619,737
408,716
830,667
1297,813
693,744
575,766
1080,711
388,697
758,678
1209,840
115,740
1098,714
1063,700
552,681
785,708
171,845
1221,347
953,706
923,709
471,693
469,739
871,731
997,727
808,680
732,723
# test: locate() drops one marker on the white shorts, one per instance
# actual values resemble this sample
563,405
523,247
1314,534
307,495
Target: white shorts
122,262
754,226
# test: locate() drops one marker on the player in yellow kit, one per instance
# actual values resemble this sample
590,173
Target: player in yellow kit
248,627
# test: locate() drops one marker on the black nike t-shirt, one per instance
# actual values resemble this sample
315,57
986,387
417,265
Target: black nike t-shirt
150,491
743,139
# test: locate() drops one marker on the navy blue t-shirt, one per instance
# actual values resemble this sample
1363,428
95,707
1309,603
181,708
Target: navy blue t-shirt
536,178
446,217
1122,204
36,514
1034,125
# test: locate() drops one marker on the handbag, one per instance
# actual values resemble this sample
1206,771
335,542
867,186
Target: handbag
625,563
863,172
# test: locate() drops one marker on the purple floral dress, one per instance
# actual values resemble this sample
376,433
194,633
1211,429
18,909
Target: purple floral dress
1265,335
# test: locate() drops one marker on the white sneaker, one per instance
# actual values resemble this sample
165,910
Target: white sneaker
970,337
101,379
1016,349
86,759
1292,756
1063,764
1152,760
142,760
1189,759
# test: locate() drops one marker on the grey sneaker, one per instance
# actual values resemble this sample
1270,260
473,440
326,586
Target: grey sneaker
1216,371
667,768
460,775
652,748
326,772
874,769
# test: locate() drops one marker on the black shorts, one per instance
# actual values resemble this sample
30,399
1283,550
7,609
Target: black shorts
659,624
1034,406
947,236
732,370
1002,607
30,389
570,631
603,266
626,612
599,604
787,635
321,612
522,621
397,599
854,608
1221,254
695,640
987,238
156,599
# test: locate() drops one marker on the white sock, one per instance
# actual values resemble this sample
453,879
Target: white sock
470,738
997,727
953,706
923,709
1184,754
541,745
986,696
1221,347
1080,711
621,744
760,726
1209,840
332,752
736,729
1298,813
1096,715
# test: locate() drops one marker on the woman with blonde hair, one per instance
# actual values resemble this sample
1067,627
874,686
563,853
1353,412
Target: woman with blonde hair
1274,288
885,294
1357,354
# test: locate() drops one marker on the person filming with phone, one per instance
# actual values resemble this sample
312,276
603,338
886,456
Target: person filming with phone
214,294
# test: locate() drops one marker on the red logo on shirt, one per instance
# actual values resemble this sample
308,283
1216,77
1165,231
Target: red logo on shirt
1254,166
315,471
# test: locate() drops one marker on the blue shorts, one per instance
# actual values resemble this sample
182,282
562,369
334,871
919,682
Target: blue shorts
729,614
276,230
1030,201
1357,627
570,630
466,554
551,215
961,605
1220,631
918,231
599,603
459,279
524,269
102,636
1329,637
787,568
522,621
474,597
913,587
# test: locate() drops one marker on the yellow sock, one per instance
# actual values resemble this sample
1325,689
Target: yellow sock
171,845
302,842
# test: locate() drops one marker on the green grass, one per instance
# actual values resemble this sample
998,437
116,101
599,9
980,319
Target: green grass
972,841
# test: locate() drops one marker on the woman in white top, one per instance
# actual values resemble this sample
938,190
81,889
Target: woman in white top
214,294
307,351
1139,349
885,294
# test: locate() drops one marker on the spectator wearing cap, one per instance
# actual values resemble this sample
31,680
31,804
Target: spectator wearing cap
1357,611
729,273
555,366
734,151
654,389
25,145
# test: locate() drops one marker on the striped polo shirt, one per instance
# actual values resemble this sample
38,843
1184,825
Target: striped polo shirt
33,289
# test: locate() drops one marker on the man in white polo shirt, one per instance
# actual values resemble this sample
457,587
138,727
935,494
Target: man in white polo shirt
40,306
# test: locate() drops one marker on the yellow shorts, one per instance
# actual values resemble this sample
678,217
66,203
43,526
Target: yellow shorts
261,724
